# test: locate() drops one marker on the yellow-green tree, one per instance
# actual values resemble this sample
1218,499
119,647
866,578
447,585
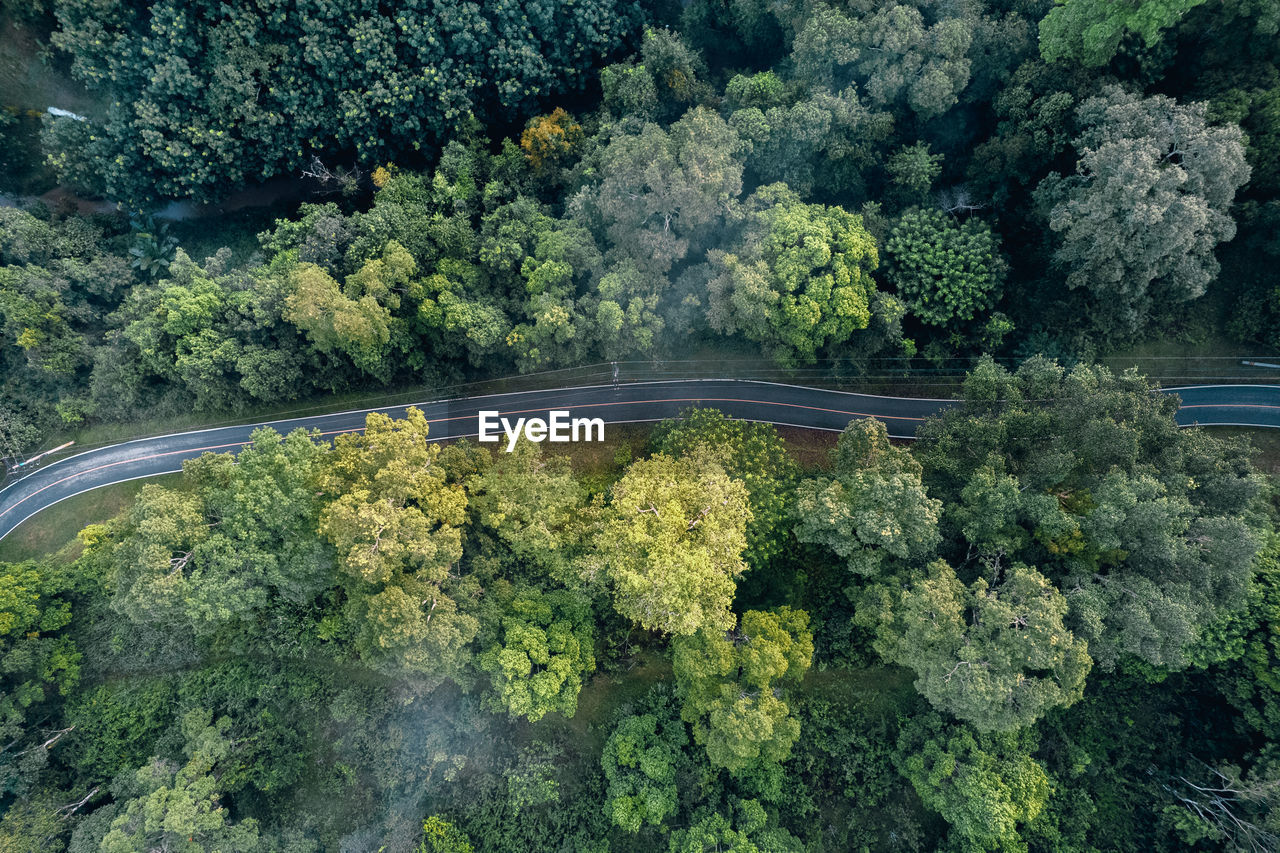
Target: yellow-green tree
395,518
670,545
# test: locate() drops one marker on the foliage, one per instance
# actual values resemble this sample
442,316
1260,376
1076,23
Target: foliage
209,96
984,785
996,655
177,808
946,271
441,836
1085,475
746,830
640,760
549,139
798,282
395,519
543,653
1139,220
727,682
890,52
750,452
1090,31
39,662
670,545
874,509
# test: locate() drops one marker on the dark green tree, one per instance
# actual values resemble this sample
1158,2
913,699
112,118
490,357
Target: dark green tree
947,271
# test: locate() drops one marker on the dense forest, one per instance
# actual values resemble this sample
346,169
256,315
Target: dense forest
843,185
1051,623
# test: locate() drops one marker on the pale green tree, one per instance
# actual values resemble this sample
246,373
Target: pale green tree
873,508
731,684
395,515
751,452
1138,223
995,655
797,281
532,502
178,807
664,193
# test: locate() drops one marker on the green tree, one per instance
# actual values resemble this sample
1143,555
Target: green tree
947,271
393,513
1137,225
890,52
984,786
40,665
913,169
1090,31
874,508
541,652
640,760
664,193
533,503
355,319
799,279
670,545
996,655
441,836
731,686
241,537
751,452
745,830
662,85
203,97
177,807
818,145
1085,475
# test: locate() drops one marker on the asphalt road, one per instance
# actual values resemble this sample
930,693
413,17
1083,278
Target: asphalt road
635,402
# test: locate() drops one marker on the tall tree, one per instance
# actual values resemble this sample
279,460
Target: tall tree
890,53
874,508
207,96
240,537
177,807
395,514
670,545
798,280
640,761
985,786
948,272
731,686
996,655
664,193
533,503
751,452
1149,530
40,663
1138,222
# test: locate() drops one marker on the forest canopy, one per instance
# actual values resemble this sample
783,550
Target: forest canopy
1047,622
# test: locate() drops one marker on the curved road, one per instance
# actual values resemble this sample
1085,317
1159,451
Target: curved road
632,402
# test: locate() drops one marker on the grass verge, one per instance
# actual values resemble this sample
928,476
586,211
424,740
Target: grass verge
55,528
